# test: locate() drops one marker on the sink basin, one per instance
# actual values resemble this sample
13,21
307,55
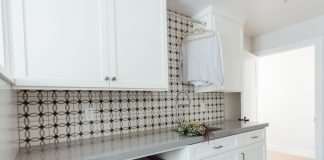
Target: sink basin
210,129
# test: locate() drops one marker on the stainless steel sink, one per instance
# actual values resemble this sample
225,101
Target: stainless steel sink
210,129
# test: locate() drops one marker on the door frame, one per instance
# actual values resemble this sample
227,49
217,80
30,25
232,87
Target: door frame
319,90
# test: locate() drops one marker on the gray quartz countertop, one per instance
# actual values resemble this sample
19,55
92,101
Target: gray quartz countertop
131,145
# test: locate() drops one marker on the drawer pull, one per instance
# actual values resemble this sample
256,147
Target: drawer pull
218,147
254,137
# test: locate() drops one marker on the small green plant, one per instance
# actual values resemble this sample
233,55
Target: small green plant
193,128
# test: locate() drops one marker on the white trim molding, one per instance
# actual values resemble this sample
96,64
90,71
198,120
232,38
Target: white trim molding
319,90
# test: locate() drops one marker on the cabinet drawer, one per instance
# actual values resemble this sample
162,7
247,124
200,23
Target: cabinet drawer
251,137
214,147
232,155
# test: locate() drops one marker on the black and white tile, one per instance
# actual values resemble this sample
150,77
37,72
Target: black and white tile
58,116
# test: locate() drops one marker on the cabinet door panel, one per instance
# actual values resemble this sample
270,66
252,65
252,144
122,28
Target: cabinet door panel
250,94
231,35
3,56
232,44
66,40
249,72
2,51
5,64
253,152
141,54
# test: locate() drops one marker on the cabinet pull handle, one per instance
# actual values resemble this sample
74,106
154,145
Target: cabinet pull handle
254,137
218,147
243,156
107,78
114,79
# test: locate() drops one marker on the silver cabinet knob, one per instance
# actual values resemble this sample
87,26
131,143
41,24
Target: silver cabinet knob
107,78
114,79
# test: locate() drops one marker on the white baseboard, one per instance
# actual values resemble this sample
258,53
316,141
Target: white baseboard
292,151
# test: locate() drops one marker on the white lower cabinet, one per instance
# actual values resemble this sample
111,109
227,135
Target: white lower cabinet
253,152
212,148
245,146
225,156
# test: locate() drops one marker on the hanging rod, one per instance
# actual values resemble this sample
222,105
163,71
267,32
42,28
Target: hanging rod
192,20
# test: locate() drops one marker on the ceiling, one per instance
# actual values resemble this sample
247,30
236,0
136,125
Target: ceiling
261,16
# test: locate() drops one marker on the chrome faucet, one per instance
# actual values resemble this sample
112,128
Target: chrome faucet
177,103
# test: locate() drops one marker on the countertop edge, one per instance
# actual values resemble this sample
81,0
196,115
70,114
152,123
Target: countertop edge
174,146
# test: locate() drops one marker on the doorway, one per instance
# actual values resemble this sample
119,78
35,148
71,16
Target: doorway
287,99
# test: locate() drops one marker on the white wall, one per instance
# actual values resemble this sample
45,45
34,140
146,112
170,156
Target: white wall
287,100
9,124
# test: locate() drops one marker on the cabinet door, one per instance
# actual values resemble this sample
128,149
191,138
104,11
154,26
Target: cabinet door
231,34
140,58
249,72
249,94
2,51
5,68
66,43
253,152
226,156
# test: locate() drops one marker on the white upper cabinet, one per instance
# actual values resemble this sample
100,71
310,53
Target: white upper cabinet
90,44
141,51
2,51
5,68
231,35
65,44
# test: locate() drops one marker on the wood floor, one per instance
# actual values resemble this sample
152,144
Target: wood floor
281,156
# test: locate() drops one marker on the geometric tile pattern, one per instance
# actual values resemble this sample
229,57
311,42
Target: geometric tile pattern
58,116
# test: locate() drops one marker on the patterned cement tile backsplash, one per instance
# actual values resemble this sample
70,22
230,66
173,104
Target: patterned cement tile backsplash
58,116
